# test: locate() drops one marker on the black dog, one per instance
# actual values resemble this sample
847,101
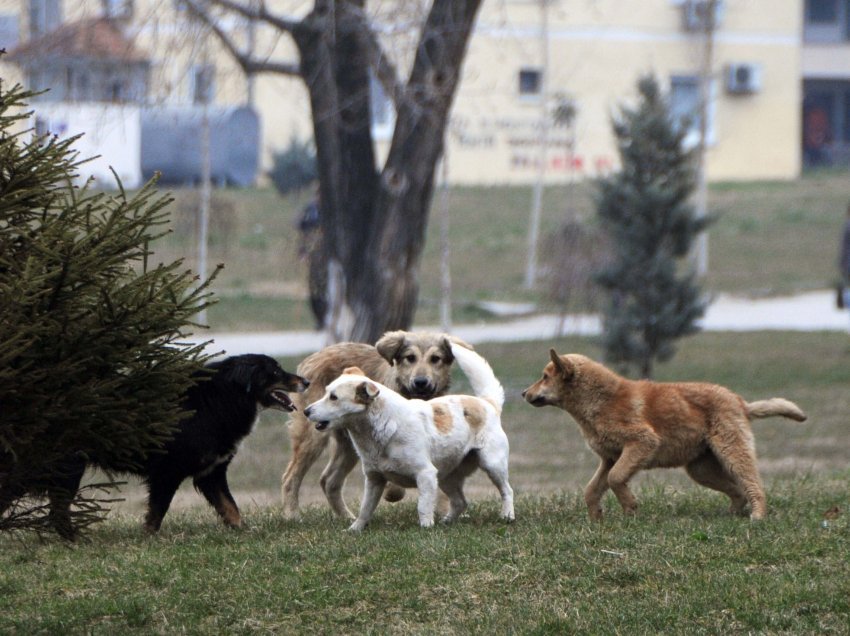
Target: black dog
225,401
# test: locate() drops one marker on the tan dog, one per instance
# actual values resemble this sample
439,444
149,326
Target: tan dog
634,425
416,364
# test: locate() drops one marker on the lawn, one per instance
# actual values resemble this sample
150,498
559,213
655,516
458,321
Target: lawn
683,565
770,238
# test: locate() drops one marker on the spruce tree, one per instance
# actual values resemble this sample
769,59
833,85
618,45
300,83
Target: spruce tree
653,295
92,362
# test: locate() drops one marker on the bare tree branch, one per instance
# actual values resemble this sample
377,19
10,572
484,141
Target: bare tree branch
259,13
249,64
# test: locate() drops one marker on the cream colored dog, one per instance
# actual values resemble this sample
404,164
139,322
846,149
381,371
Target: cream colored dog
431,444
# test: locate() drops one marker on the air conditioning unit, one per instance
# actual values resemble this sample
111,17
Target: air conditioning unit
743,78
696,14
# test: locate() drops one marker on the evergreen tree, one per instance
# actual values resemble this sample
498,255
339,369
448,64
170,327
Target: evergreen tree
91,359
644,208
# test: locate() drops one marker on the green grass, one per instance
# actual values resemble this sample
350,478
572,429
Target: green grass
683,565
770,238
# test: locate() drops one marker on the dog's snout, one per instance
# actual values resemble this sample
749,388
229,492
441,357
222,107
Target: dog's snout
524,391
421,382
307,411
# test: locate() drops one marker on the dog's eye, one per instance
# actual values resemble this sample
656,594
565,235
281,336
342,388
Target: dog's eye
410,358
435,359
332,397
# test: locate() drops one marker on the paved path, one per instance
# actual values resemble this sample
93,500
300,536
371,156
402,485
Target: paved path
814,311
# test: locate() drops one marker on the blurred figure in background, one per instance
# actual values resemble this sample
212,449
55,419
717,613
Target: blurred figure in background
844,264
312,249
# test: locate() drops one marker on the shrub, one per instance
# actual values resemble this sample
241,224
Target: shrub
91,359
295,167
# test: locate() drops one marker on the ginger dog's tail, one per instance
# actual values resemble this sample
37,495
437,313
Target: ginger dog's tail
484,382
773,407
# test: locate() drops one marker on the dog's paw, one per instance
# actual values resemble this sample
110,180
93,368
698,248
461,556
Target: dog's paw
357,527
426,523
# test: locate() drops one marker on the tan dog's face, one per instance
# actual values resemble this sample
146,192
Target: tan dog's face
349,394
422,362
549,390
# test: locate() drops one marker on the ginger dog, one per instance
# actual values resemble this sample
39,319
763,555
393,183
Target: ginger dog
634,425
431,444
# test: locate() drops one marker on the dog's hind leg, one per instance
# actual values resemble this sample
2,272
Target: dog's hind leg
61,493
343,460
495,464
307,445
452,486
215,490
733,445
596,488
708,472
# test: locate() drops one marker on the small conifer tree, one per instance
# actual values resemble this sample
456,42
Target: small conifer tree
653,296
91,359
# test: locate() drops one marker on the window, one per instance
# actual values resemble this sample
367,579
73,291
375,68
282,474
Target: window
685,107
822,11
530,82
44,15
203,84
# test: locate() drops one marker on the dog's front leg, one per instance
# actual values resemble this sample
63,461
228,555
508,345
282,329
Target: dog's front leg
597,487
372,491
426,482
635,456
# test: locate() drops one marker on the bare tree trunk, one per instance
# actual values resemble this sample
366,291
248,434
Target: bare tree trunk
373,221
375,224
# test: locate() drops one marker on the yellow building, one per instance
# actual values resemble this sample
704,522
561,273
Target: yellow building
527,60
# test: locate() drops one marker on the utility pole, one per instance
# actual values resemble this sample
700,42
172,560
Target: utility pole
537,196
706,76
206,170
445,248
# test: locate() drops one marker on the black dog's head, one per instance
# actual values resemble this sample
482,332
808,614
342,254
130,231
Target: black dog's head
263,378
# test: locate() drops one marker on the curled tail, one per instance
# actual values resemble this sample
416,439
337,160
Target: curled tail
484,382
775,406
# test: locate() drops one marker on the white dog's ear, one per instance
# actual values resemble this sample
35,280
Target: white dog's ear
353,371
563,366
390,344
366,392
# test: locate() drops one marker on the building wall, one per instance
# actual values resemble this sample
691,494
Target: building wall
597,51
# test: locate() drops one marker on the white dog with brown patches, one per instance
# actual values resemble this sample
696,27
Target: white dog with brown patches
431,444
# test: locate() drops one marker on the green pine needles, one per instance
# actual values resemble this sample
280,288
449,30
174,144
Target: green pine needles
653,297
91,358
